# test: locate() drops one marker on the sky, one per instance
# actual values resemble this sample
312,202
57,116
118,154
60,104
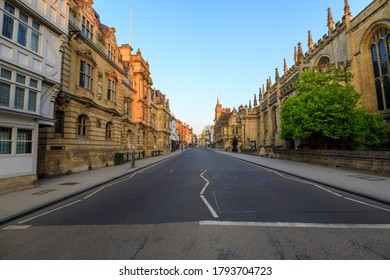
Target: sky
199,50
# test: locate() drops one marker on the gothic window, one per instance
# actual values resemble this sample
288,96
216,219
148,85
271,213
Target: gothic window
323,64
380,61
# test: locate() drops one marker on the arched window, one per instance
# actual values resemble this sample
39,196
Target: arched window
380,61
109,127
82,125
323,64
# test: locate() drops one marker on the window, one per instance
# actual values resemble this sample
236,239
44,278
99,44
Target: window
59,124
85,75
19,98
27,30
24,141
87,28
8,21
34,46
22,30
5,140
5,90
32,101
108,130
82,126
323,64
111,52
111,85
380,60
6,74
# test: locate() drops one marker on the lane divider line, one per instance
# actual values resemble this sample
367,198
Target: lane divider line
211,209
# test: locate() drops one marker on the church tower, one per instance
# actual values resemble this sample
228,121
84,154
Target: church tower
218,111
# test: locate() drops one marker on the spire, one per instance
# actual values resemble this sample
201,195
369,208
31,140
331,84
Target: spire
217,100
310,40
250,104
330,20
285,69
347,12
295,55
276,75
254,101
263,89
300,52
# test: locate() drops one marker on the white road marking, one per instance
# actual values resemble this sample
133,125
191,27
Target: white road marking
215,215
48,212
211,209
171,170
13,227
91,194
294,225
361,202
207,183
290,177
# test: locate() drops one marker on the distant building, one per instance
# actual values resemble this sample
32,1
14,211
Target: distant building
33,37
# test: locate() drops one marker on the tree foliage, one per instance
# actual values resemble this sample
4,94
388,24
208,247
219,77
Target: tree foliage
326,105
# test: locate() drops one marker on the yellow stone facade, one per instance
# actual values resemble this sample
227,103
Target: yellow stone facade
106,105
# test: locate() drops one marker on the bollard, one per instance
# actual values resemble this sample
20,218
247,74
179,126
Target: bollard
132,159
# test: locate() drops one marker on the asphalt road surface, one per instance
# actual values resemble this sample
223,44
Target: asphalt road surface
204,205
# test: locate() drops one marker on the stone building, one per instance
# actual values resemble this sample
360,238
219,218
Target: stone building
162,124
32,38
249,117
94,108
360,44
185,134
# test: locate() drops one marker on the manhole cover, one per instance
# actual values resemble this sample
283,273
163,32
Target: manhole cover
43,192
69,184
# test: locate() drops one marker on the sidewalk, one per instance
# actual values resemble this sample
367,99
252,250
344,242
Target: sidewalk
376,187
55,189
51,190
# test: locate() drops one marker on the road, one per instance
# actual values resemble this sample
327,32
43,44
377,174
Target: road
204,205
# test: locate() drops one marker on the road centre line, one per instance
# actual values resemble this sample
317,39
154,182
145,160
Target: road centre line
294,225
207,183
211,209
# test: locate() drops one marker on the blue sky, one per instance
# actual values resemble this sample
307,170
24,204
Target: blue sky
201,49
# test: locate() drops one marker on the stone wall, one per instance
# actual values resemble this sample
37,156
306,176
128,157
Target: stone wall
18,183
364,161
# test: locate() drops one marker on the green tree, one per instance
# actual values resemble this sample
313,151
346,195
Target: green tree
326,105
